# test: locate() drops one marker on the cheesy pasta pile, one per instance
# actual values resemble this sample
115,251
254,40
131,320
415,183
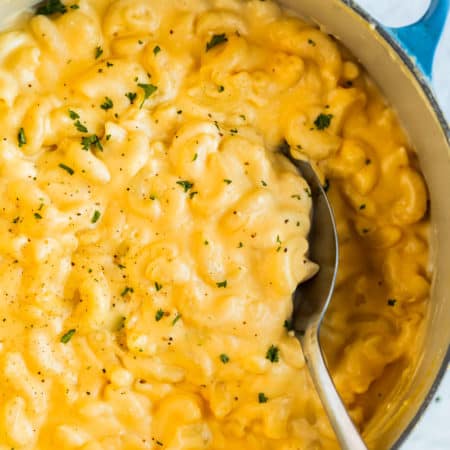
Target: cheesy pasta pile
152,233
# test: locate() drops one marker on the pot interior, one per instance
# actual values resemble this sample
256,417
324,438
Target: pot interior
420,115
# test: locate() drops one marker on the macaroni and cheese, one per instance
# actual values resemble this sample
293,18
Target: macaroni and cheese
152,233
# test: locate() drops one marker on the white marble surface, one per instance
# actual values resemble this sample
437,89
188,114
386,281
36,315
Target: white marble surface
433,431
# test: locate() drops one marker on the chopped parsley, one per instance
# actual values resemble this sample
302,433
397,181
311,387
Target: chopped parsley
80,127
224,358
186,185
159,315
68,169
221,88
131,96
88,141
68,336
323,121
193,194
51,7
311,42
363,206
37,216
391,302
195,157
217,39
263,183
273,354
107,104
149,90
156,50
222,284
177,318
96,216
73,115
226,180
98,52
262,398
126,291
158,286
22,139
288,325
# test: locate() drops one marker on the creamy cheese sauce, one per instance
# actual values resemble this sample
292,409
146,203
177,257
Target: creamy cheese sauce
152,234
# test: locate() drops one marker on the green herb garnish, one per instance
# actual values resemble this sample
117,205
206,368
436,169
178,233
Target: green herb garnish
126,291
88,141
159,315
224,358
107,104
158,286
21,137
273,354
391,302
98,52
95,216
186,185
68,169
177,318
222,284
73,115
51,7
156,50
262,398
217,39
131,96
80,127
323,121
288,325
68,336
149,89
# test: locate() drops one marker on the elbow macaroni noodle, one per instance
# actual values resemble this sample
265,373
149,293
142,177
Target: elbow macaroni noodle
152,234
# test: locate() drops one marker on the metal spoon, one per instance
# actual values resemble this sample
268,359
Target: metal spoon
311,300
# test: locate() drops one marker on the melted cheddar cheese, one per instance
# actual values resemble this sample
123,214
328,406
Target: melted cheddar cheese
152,234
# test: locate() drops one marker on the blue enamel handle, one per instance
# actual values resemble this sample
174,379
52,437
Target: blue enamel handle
421,39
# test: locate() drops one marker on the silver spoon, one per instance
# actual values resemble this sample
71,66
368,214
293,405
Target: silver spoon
311,300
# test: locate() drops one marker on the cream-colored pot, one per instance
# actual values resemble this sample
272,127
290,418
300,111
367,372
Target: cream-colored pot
406,86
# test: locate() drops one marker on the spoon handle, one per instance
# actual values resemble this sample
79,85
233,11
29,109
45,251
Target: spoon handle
346,432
